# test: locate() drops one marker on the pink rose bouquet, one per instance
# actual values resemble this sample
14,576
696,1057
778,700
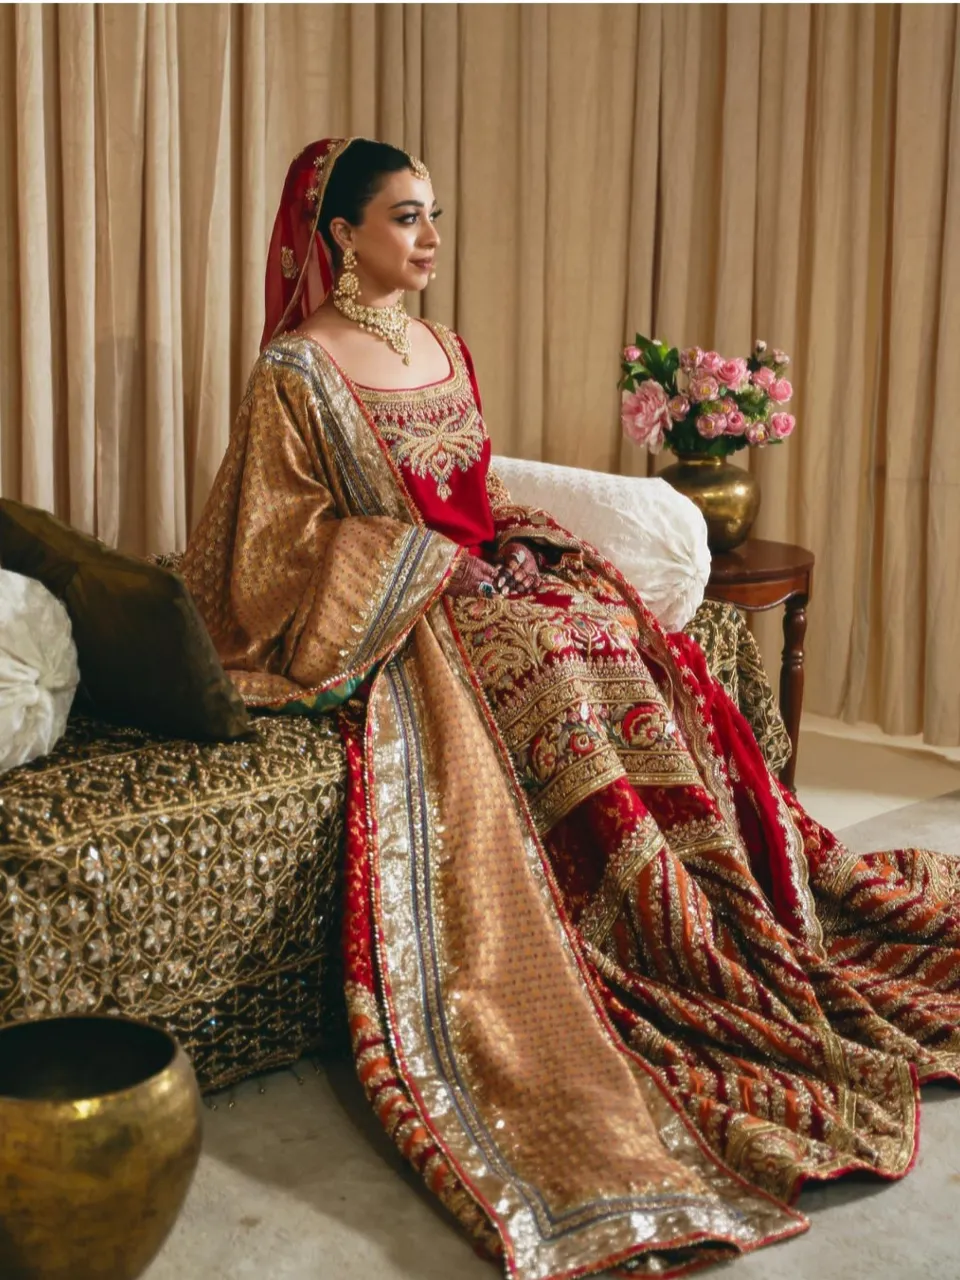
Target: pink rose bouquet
701,402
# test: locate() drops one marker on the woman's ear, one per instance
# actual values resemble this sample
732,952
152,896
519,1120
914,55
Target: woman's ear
342,233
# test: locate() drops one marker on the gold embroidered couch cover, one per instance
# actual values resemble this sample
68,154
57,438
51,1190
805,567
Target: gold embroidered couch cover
192,885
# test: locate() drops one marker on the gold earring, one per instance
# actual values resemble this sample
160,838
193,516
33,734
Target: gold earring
348,286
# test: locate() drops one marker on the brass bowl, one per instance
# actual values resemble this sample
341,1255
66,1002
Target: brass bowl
99,1139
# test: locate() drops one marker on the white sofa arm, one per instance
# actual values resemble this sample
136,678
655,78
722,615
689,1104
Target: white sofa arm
655,536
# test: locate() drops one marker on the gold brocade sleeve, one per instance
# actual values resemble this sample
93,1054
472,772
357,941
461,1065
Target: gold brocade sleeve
302,579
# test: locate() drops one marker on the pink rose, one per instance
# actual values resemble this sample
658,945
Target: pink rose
781,425
781,358
645,416
678,408
736,423
727,405
631,354
733,373
703,387
781,391
756,433
711,425
711,361
690,359
763,378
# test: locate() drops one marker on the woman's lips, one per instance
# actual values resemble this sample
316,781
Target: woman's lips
422,264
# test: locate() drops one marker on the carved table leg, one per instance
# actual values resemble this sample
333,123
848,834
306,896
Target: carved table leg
791,678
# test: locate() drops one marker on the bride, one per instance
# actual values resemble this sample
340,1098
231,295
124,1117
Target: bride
611,991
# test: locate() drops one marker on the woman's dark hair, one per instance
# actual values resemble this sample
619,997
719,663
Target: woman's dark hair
355,180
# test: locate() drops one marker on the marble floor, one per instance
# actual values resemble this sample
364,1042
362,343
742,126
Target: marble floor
297,1182
845,775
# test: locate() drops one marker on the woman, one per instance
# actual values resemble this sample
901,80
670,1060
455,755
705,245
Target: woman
611,991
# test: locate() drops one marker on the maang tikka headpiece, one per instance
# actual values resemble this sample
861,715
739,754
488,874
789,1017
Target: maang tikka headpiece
419,168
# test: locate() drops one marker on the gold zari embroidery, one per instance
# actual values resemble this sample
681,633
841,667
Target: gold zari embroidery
190,885
433,430
288,263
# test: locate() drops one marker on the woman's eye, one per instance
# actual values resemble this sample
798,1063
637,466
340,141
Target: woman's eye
408,219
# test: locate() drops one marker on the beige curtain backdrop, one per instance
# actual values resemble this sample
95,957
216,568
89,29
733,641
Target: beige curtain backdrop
706,172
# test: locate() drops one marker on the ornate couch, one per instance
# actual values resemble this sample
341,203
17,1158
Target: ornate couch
196,885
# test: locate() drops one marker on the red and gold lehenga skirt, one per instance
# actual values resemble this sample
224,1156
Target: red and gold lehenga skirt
788,996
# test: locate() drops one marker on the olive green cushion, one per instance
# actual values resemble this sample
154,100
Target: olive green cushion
145,656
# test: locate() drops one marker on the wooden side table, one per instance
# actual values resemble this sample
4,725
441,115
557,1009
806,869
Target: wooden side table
761,575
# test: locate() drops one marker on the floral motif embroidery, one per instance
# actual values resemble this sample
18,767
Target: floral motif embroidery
435,441
434,430
288,263
577,706
313,193
734,659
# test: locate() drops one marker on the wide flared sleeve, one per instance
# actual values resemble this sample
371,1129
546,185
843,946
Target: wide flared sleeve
305,577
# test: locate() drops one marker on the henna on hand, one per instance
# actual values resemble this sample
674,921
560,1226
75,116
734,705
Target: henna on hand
519,572
472,577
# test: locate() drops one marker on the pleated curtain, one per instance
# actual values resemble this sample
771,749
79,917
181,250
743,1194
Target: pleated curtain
704,174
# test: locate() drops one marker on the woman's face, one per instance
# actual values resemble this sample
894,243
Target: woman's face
397,242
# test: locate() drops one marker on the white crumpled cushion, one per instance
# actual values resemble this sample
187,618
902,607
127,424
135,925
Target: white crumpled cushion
38,669
655,536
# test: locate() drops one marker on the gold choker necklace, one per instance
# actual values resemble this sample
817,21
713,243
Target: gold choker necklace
392,323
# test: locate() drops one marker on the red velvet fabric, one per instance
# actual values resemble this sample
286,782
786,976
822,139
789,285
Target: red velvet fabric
465,516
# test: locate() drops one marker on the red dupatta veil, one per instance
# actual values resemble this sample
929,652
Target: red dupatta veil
299,272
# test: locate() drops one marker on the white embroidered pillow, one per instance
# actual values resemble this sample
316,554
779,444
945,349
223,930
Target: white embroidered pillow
655,536
38,669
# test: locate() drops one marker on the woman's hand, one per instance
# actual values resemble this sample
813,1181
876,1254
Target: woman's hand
518,570
473,577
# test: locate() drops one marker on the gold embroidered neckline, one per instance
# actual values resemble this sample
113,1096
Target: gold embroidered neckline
455,377
454,383
433,430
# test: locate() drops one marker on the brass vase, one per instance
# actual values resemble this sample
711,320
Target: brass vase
728,496
99,1139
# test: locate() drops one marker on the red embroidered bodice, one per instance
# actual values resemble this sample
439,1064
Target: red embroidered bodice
438,442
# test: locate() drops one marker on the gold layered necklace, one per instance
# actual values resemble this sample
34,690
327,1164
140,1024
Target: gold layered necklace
392,323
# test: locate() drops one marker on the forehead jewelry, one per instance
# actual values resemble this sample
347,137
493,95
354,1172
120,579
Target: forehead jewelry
419,168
